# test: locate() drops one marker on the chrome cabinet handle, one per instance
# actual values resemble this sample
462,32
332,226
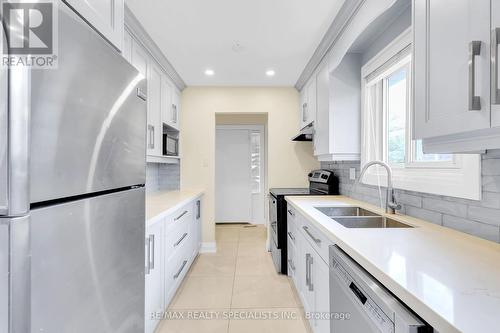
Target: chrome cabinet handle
180,216
141,94
148,256
291,213
180,269
198,209
474,51
152,249
181,239
174,113
316,240
311,261
308,281
495,91
304,112
291,236
292,266
151,136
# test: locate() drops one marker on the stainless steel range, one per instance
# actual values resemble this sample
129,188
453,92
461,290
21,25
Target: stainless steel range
321,182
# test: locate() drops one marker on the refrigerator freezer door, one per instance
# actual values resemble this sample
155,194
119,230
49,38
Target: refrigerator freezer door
15,274
88,265
88,124
4,276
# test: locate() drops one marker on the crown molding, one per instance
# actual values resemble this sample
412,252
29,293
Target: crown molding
339,24
135,27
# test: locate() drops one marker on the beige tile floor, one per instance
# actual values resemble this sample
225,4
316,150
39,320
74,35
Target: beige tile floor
236,290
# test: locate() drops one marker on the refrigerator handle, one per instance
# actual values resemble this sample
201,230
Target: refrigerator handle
148,256
18,139
4,142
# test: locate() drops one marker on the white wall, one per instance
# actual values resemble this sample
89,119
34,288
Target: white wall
288,162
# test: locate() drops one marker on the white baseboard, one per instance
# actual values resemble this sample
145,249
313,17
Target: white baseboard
208,247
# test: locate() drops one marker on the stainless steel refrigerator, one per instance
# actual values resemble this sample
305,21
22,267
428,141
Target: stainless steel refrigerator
72,174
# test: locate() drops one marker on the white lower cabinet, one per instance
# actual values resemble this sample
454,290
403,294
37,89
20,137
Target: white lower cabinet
311,273
172,244
155,286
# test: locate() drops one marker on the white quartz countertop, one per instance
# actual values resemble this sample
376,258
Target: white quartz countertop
450,279
163,203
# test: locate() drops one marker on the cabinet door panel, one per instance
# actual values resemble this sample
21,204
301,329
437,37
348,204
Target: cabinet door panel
176,107
322,124
166,100
495,26
127,46
139,58
106,16
443,32
321,277
155,129
155,277
311,100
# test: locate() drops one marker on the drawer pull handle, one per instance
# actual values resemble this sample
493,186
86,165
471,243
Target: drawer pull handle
180,269
495,91
291,236
180,239
316,240
291,213
180,216
474,51
152,250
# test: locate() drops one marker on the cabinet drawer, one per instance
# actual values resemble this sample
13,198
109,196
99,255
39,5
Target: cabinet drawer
317,239
178,232
176,269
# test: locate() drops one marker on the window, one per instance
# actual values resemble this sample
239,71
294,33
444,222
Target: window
387,131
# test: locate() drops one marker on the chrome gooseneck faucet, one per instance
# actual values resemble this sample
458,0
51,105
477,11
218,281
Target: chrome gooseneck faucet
390,203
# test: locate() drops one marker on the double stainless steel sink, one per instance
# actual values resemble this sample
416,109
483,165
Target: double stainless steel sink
356,217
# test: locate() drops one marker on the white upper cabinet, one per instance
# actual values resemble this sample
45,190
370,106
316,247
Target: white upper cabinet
106,16
171,106
127,46
161,95
495,77
337,125
155,126
453,108
308,103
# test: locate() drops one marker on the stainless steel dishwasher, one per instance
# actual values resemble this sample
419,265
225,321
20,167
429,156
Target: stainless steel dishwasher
360,304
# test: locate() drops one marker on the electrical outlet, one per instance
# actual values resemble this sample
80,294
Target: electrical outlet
352,173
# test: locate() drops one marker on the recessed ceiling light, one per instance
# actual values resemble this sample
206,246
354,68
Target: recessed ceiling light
270,72
209,72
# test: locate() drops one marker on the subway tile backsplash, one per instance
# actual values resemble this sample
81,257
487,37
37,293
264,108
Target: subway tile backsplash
162,177
478,218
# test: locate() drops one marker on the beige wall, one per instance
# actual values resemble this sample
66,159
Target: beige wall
288,162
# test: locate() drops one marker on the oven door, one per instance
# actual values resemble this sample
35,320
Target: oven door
273,219
273,231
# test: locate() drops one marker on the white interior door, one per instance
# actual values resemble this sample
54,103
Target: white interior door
233,183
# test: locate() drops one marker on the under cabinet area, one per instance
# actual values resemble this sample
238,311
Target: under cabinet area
456,97
172,244
164,103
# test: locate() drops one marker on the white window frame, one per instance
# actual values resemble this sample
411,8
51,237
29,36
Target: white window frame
460,177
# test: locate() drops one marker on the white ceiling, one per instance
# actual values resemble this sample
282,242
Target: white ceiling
273,34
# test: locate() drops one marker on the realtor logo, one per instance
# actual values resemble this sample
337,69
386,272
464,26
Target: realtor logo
31,32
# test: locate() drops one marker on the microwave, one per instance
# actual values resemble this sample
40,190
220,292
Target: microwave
170,145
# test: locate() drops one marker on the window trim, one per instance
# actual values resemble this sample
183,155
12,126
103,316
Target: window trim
460,178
